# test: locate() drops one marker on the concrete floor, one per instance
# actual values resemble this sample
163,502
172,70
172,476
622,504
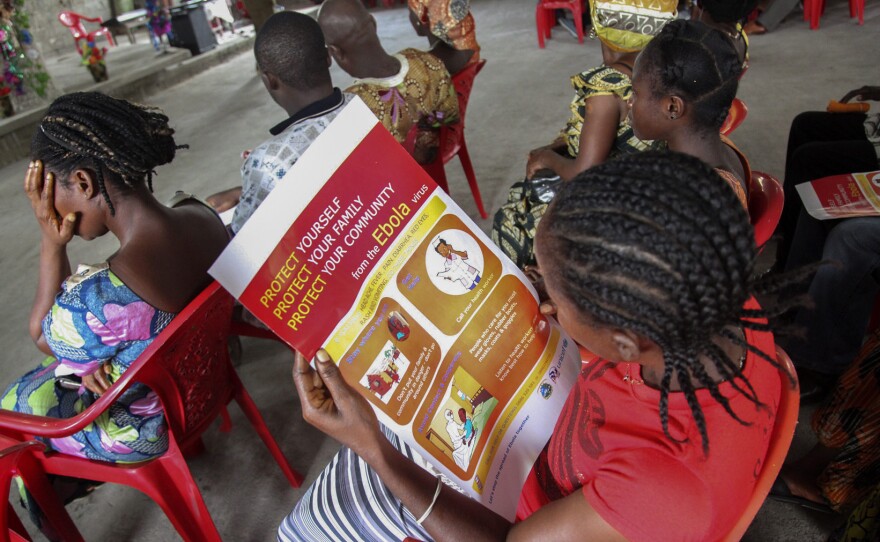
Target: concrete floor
520,101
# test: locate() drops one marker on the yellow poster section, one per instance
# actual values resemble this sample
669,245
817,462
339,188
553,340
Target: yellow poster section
371,293
513,408
867,189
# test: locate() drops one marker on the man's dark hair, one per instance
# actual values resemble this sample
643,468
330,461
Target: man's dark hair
728,11
291,46
118,141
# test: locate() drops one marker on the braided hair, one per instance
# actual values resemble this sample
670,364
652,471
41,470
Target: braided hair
698,63
120,142
652,242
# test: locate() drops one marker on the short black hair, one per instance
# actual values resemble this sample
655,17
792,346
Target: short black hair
728,11
291,46
698,63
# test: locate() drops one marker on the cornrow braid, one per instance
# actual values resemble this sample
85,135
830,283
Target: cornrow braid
699,63
654,244
120,141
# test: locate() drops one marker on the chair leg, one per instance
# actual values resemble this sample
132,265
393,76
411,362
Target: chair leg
47,499
247,405
468,168
815,13
579,21
168,481
226,421
15,529
540,23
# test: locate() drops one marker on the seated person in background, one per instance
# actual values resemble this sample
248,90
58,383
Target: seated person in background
822,144
771,16
727,16
406,90
649,261
599,127
449,27
94,158
843,467
843,293
295,69
683,84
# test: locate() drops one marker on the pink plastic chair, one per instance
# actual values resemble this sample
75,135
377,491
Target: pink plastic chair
73,21
452,142
813,10
780,442
188,367
544,21
735,116
766,199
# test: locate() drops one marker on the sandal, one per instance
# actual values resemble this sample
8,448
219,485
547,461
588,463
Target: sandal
781,492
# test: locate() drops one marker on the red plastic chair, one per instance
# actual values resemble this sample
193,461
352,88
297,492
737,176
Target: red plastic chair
73,21
735,116
452,140
813,10
766,199
188,367
545,21
10,458
780,441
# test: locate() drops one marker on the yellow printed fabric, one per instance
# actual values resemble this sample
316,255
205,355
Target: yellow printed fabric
451,21
600,81
628,25
421,93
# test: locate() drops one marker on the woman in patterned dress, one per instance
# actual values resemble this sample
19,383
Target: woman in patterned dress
94,158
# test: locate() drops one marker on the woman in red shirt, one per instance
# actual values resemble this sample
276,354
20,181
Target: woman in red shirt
649,261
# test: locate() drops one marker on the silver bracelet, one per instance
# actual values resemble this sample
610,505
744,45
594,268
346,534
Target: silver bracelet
433,502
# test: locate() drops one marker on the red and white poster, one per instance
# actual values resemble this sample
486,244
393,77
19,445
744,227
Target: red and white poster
842,196
356,250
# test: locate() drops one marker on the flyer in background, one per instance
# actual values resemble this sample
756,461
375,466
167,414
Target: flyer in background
356,250
842,196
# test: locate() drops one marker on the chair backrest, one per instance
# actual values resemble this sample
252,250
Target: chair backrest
451,134
777,450
735,116
188,364
766,199
72,21
463,82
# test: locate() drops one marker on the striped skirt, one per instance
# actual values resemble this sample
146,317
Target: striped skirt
348,503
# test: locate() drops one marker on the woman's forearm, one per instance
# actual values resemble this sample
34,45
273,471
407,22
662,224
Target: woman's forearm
454,517
566,168
54,268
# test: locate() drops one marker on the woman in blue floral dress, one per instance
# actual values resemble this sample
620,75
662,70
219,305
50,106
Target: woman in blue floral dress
97,323
94,158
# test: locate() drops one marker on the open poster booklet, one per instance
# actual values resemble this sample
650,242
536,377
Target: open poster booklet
356,250
842,196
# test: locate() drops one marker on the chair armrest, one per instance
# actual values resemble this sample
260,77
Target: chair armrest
98,20
44,426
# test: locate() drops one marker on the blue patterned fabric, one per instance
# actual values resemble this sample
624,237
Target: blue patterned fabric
97,319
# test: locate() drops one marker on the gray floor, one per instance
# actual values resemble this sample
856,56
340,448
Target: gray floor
519,101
